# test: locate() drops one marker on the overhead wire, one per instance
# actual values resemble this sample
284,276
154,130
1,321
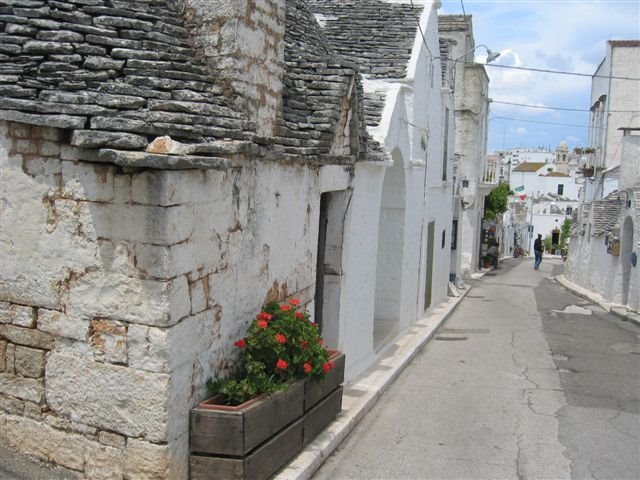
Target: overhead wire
560,108
557,72
543,123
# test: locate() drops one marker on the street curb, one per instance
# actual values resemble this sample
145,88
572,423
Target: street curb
360,395
618,310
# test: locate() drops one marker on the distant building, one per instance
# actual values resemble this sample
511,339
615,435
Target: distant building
546,193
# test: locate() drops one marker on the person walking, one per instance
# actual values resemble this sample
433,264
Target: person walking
537,250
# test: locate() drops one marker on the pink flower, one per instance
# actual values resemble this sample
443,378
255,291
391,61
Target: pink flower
241,343
262,324
282,364
280,338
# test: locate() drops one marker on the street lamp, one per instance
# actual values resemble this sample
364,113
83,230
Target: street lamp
491,55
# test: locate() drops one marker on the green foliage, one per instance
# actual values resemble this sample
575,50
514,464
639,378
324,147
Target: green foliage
547,243
497,201
565,233
282,344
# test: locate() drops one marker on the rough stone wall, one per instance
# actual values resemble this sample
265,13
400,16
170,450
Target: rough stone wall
121,292
244,41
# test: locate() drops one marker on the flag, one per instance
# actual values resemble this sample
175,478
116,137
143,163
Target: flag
523,197
519,189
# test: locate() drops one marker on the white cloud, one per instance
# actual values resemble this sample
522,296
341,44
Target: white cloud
521,131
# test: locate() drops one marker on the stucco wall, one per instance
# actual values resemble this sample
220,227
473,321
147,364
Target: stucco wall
122,292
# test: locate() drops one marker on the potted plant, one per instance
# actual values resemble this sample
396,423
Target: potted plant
285,390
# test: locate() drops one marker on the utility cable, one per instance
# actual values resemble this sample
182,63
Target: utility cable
561,108
543,123
558,72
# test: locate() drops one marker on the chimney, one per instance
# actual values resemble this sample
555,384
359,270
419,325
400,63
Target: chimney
243,42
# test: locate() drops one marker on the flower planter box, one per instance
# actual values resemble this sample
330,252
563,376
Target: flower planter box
255,439
316,391
224,430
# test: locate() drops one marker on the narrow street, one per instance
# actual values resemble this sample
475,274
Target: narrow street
523,381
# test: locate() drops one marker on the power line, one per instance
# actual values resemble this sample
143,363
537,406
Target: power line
543,123
424,40
561,108
558,72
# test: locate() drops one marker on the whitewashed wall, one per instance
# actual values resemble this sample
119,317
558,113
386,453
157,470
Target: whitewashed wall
135,285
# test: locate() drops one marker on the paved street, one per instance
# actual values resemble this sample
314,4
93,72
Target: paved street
523,381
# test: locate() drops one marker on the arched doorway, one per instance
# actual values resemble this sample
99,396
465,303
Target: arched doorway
390,253
626,246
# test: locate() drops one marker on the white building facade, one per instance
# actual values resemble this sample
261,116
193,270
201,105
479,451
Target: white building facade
605,240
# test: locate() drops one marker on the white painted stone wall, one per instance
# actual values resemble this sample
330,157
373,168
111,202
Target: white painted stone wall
417,170
621,99
134,286
590,266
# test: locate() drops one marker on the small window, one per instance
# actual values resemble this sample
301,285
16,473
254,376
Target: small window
560,188
444,238
569,210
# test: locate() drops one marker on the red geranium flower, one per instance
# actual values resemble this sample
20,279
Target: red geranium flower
307,367
241,343
299,316
304,344
285,308
281,338
320,341
281,364
264,316
295,302
327,367
262,324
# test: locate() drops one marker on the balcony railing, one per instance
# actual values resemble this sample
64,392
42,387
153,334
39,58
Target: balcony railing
491,171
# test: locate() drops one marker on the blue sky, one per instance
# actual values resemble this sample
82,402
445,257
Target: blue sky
562,35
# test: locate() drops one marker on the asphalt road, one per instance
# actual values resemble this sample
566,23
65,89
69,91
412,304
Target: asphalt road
523,381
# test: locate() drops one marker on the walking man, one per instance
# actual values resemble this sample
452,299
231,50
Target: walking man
537,250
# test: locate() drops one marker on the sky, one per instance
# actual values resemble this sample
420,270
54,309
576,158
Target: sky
565,35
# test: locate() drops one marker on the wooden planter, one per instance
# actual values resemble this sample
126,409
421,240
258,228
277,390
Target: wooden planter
255,439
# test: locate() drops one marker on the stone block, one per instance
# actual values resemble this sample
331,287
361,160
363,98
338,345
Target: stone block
36,438
112,439
134,300
29,362
62,325
108,340
166,188
103,462
5,312
10,358
166,349
116,398
20,387
32,410
27,336
3,356
38,166
12,405
17,315
85,181
140,223
198,290
148,461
